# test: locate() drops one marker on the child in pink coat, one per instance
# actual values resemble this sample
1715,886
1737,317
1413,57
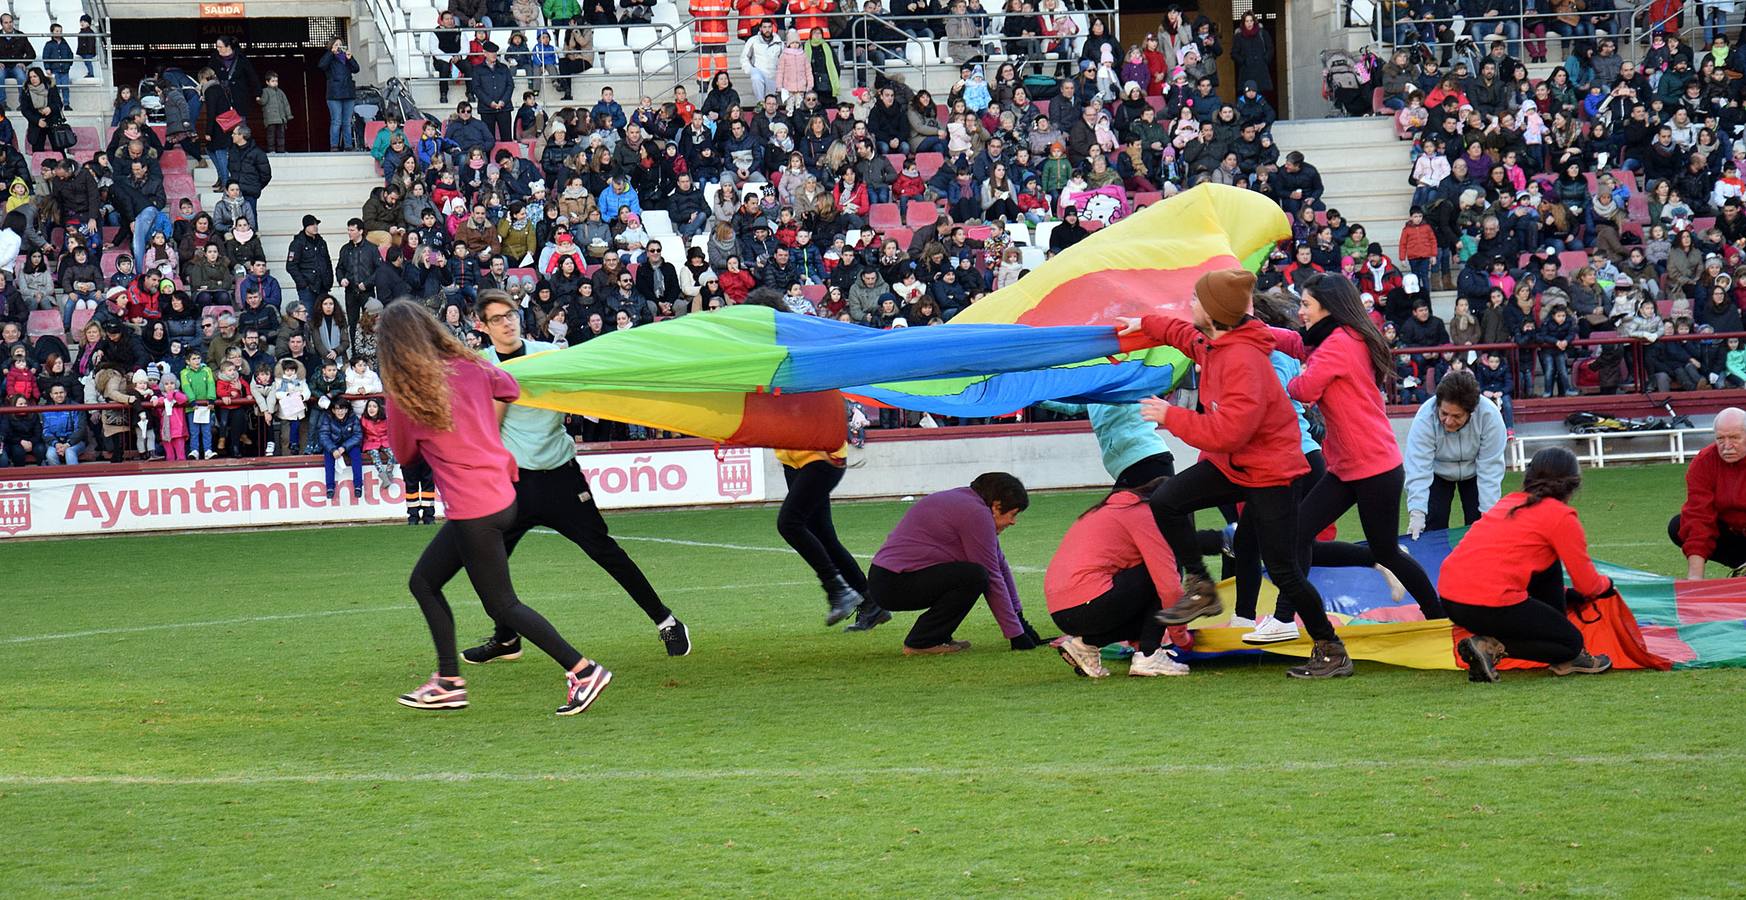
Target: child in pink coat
793,71
172,420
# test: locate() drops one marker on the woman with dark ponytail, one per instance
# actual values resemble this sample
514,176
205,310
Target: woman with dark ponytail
1505,580
1347,360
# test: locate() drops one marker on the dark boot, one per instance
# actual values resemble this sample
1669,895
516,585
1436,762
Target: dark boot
1328,659
1200,597
428,515
1584,664
1481,655
868,617
843,600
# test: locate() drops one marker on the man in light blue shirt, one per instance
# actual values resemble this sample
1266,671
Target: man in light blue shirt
550,490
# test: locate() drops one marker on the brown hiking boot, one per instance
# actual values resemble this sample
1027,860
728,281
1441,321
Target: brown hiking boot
937,649
1200,597
1328,659
1481,655
1584,664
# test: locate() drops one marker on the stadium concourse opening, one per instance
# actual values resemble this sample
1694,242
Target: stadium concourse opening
288,47
1138,18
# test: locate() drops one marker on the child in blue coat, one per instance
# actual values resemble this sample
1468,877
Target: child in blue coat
339,434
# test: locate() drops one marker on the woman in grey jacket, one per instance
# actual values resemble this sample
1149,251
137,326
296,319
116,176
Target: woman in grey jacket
1454,447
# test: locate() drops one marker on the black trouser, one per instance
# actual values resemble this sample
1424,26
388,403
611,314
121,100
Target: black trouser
1378,502
1536,628
1158,465
1730,545
500,121
945,593
1275,520
805,523
1246,549
1128,611
1443,493
478,544
560,500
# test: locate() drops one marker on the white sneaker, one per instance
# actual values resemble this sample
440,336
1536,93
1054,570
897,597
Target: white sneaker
208,455
1241,622
1396,591
1084,658
1160,662
269,448
1271,631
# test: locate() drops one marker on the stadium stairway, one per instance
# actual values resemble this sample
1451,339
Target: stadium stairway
1364,170
330,186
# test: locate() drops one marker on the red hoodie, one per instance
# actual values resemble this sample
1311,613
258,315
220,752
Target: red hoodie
1338,379
1249,430
1715,498
1492,564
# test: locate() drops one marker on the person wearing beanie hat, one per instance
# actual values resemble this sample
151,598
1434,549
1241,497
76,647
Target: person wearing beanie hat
1348,357
1250,452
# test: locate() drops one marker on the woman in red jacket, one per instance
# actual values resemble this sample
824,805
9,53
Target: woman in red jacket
1347,360
1111,576
1505,580
1250,453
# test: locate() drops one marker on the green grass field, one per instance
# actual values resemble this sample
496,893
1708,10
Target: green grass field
205,715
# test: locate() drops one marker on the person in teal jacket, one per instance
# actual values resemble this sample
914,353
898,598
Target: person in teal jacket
1134,451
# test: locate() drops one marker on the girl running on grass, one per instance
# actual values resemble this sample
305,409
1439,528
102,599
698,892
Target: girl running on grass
444,405
1505,580
805,523
1111,576
1348,359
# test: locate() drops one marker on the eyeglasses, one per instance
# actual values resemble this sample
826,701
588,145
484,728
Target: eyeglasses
497,320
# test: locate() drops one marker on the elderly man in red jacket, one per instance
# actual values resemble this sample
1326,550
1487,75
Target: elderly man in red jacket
1249,453
1712,523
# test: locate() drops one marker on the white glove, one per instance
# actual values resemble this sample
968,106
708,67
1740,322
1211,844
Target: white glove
1415,524
324,403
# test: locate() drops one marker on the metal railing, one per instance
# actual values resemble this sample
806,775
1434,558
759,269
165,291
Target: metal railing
1631,26
1636,373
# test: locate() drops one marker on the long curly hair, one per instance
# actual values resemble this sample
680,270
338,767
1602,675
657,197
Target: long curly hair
413,352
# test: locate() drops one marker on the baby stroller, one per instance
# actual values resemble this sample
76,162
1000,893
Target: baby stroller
1345,82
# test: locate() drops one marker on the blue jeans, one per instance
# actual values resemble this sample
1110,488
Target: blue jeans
339,128
693,227
63,80
879,194
53,457
11,73
142,227
199,436
1511,30
221,162
355,457
930,144
91,70
1422,268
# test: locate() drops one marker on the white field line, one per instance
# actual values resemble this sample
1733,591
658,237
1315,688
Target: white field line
828,772
1031,570
316,614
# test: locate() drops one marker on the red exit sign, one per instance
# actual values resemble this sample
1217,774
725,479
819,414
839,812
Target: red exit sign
221,10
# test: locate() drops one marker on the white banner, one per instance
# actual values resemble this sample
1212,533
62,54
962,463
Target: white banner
278,495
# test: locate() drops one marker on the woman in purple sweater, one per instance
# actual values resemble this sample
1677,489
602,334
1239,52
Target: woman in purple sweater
444,406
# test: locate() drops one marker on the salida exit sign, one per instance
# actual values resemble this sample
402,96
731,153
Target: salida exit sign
221,10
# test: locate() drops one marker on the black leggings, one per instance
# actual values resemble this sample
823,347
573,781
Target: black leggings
1158,465
1246,548
1273,512
805,523
1442,497
1378,502
1730,545
560,500
1128,611
1534,629
946,593
479,546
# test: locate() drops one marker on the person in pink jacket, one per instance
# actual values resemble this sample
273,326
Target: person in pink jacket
172,417
444,406
1111,576
1348,358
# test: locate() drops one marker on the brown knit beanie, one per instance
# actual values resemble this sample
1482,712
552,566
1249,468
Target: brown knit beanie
1224,294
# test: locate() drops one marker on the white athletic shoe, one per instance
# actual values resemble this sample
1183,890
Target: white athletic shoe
1271,631
1241,622
1160,662
1396,591
1084,658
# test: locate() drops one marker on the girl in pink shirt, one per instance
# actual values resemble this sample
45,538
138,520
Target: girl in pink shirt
444,406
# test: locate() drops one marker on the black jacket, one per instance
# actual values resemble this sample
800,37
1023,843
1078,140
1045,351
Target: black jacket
309,263
358,263
250,168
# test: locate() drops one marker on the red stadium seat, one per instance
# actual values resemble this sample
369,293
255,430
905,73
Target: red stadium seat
1638,208
371,129
929,163
1147,198
414,129
214,310
81,318
514,147
1702,224
175,158
884,215
814,292
1042,106
1571,260
920,212
1627,178
88,139
903,237
43,322
896,160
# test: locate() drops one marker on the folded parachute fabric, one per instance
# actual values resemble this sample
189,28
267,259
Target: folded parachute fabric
748,375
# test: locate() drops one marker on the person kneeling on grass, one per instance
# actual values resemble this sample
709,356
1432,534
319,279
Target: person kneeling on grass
1712,523
1111,576
1505,580
945,553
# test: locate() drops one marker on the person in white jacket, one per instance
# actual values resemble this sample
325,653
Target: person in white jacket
361,380
759,59
1454,447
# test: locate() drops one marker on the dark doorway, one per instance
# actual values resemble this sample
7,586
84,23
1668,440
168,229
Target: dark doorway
1141,17
289,48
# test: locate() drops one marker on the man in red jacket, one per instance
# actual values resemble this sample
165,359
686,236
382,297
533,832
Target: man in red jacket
1250,452
1712,523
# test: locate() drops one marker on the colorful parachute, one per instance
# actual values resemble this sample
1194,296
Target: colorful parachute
1662,623
744,377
